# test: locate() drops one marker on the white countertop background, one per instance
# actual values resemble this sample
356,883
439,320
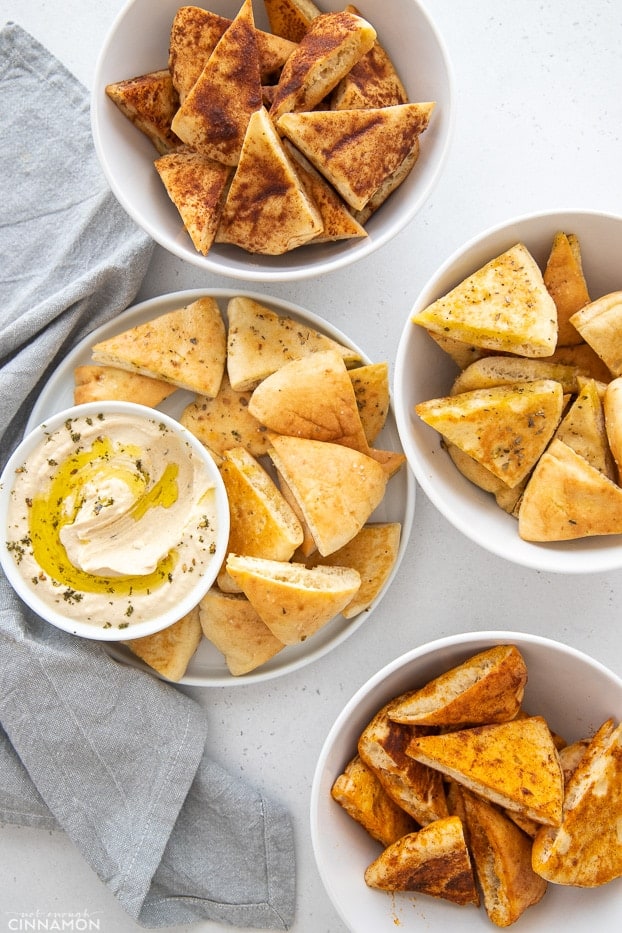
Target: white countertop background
539,124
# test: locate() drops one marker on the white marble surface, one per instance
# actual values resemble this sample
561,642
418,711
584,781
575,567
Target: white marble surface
538,127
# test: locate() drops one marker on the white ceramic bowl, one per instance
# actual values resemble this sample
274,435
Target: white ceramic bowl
157,618
574,692
423,371
138,43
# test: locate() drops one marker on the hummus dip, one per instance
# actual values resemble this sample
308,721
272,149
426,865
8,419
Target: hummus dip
112,518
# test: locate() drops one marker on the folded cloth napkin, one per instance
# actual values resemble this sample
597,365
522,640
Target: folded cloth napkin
111,755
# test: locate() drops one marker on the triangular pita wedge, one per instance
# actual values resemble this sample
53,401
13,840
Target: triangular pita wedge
584,358
513,764
501,853
260,341
506,498
332,44
488,687
231,624
371,82
600,325
371,389
586,850
267,209
293,600
392,181
214,115
419,790
583,429
505,428
434,861
169,651
503,306
102,383
567,498
194,35
150,102
612,408
224,422
373,553
362,796
391,461
312,397
197,186
504,370
308,545
290,18
337,221
357,150
337,488
185,347
565,282
463,354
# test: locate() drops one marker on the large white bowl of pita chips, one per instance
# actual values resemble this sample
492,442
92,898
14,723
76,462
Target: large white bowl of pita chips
237,200
565,697
521,453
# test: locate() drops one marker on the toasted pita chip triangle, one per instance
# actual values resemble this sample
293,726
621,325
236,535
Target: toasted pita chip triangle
102,383
567,498
513,764
337,488
197,186
185,347
584,358
586,850
600,325
434,861
150,102
308,545
214,115
376,143
391,461
504,370
505,428
488,687
373,553
293,600
170,651
583,429
371,389
506,498
463,354
291,18
392,181
612,408
231,624
225,421
371,82
311,397
565,282
260,341
362,796
194,35
503,306
267,209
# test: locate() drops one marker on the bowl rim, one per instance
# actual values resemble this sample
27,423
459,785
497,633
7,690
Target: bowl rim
31,441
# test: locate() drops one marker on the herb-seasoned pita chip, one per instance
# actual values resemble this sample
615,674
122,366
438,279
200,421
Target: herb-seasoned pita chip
371,388
600,325
169,651
504,370
612,407
231,624
150,102
583,429
185,347
565,282
506,498
103,383
584,358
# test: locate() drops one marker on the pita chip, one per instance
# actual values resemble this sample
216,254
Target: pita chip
291,18
565,282
583,429
103,383
600,325
371,82
371,389
231,624
150,102
170,651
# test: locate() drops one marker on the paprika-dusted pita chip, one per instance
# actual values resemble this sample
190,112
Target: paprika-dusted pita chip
150,102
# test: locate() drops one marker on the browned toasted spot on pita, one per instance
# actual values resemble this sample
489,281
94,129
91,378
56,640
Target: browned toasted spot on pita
231,624
150,102
169,651
102,383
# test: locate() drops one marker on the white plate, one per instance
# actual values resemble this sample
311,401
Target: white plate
207,667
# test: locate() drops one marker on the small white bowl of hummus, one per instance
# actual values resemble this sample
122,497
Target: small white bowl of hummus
115,520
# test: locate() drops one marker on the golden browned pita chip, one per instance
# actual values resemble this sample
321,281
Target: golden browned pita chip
294,601
434,861
571,755
505,428
225,421
419,790
372,552
503,306
362,796
392,181
565,282
332,44
600,325
504,370
506,498
567,498
169,651
185,347
357,150
513,764
371,82
150,102
337,488
231,624
291,18
486,688
583,429
101,383
584,358
311,397
586,850
197,186
391,461
371,388
214,115
267,209
260,341
308,545
612,408
463,354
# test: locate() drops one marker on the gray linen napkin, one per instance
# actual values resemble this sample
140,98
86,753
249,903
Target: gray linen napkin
111,755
